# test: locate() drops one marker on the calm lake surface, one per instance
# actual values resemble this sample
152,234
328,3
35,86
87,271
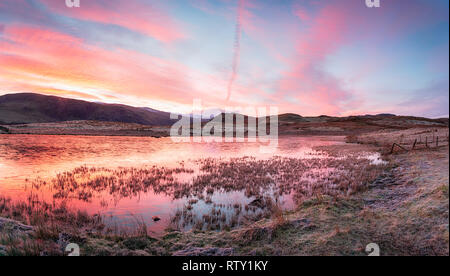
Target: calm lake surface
29,164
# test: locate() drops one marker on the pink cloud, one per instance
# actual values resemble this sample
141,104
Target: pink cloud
329,26
45,61
302,14
65,60
306,81
134,15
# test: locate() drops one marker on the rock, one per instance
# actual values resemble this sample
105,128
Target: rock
14,225
156,218
209,251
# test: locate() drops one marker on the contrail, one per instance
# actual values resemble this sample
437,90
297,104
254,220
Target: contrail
237,48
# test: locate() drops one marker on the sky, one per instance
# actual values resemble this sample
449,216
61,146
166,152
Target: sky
310,57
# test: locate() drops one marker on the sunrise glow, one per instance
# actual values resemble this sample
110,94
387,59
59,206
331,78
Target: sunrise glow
306,57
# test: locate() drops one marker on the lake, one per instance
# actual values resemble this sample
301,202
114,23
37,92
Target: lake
186,185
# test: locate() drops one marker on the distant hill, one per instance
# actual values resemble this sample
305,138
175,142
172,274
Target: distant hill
35,108
293,124
26,108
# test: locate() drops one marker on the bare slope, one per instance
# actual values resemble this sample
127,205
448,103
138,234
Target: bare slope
36,108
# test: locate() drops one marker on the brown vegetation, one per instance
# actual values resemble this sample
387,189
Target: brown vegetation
410,139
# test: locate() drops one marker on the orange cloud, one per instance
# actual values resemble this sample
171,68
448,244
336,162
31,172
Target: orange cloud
50,62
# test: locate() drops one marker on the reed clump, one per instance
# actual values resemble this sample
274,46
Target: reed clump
259,183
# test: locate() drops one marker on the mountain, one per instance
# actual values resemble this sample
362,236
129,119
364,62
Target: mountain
35,108
25,108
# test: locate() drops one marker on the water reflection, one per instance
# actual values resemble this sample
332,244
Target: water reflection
188,185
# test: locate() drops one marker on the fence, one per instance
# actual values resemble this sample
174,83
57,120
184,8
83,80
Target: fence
426,139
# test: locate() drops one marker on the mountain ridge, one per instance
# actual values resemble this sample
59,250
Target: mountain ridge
23,108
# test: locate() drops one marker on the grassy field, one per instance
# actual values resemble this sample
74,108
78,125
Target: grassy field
414,137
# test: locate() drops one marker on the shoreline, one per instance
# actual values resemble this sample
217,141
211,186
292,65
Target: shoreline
103,128
161,135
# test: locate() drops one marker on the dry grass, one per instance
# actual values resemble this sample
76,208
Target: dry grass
423,137
48,221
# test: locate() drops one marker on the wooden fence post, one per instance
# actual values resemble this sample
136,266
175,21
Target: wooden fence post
426,141
437,141
395,144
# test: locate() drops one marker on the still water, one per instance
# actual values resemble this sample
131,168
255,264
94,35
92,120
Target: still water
121,177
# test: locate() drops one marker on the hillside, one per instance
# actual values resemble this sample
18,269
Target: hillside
294,124
327,125
26,108
40,114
